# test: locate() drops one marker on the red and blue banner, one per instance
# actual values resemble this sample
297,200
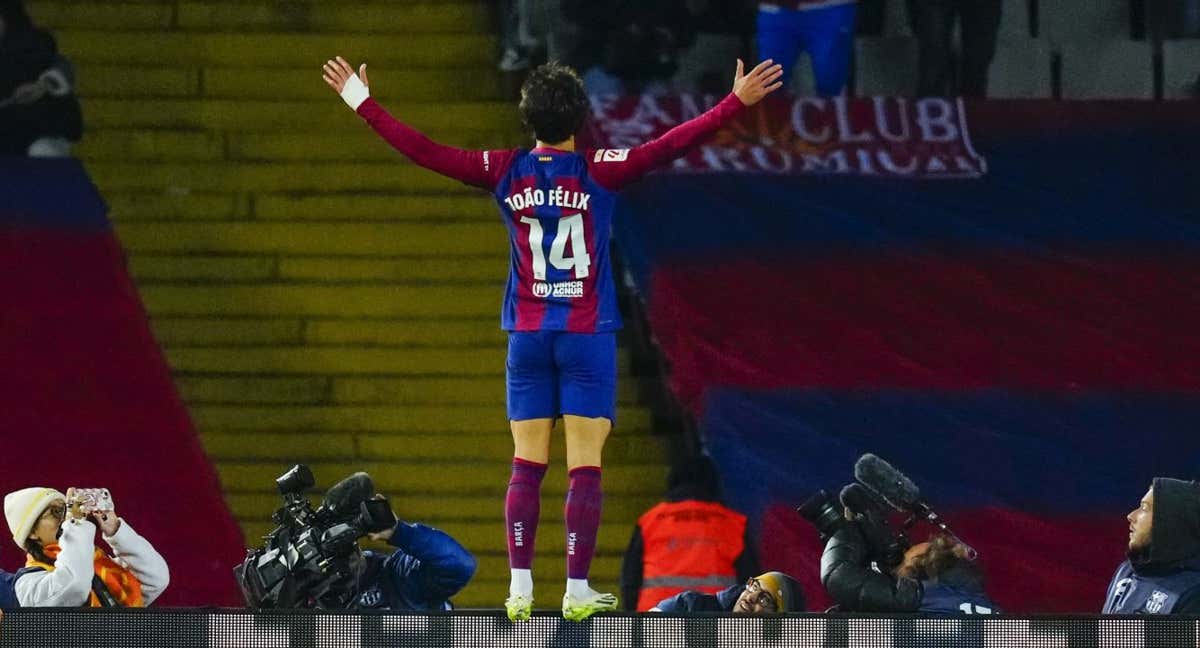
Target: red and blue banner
1014,325
87,395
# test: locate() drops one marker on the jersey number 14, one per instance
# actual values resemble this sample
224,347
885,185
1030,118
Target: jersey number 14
569,227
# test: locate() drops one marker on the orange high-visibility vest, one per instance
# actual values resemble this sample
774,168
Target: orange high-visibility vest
689,545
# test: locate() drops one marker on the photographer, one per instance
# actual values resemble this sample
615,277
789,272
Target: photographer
427,568
64,568
936,576
312,559
771,593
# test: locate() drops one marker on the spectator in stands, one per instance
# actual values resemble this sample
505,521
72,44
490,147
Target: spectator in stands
770,593
823,28
933,24
64,568
39,114
1162,572
627,45
724,30
690,541
531,29
427,568
939,576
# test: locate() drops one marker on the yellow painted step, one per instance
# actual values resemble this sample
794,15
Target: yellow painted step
359,206
147,268
206,388
141,81
437,332
384,17
480,536
441,420
258,389
448,239
260,50
442,479
155,204
171,332
378,390
346,360
322,300
288,446
236,177
126,145
338,360
491,270
432,510
257,115
354,143
396,85
433,332
58,15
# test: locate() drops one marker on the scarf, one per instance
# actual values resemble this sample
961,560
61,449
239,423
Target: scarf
118,580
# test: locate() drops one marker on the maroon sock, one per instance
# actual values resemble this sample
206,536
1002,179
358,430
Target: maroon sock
522,506
583,519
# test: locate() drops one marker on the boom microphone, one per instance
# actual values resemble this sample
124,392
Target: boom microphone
345,497
881,478
890,484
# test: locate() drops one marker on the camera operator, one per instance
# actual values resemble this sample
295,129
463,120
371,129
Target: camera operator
936,576
64,568
1162,573
427,568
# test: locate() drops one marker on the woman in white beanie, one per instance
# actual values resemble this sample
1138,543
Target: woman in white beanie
63,567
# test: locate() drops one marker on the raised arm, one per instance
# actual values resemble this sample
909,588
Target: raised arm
477,168
624,167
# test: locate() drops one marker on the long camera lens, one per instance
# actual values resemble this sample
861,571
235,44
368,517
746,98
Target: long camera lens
822,511
295,481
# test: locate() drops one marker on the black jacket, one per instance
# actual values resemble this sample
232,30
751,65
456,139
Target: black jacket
1171,560
852,584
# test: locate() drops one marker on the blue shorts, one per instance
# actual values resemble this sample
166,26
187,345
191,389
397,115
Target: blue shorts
551,373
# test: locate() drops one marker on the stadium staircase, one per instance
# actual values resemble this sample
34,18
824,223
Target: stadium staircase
319,298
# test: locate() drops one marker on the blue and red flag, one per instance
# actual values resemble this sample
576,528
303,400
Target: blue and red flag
1007,312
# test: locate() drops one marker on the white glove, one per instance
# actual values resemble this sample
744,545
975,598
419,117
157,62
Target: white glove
355,92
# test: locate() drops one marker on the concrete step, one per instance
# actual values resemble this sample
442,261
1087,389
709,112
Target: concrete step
209,331
266,50
161,204
278,84
148,205
308,390
338,361
282,447
444,421
346,360
151,267
432,332
361,206
244,177
322,300
487,537
449,240
262,115
442,479
434,510
368,17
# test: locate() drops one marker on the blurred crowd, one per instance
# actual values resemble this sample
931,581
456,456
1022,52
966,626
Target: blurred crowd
689,45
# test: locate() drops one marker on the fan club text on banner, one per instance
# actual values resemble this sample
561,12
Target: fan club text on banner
880,136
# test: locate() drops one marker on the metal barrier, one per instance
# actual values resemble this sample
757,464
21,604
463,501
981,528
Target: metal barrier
221,628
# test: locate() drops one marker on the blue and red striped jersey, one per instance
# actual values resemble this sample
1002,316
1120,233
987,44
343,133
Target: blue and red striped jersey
558,207
559,223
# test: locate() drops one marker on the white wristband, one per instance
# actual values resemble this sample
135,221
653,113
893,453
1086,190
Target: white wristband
355,92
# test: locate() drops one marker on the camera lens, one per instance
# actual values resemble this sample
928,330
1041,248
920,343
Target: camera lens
821,512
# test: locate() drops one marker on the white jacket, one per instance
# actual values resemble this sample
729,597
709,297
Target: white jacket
71,581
